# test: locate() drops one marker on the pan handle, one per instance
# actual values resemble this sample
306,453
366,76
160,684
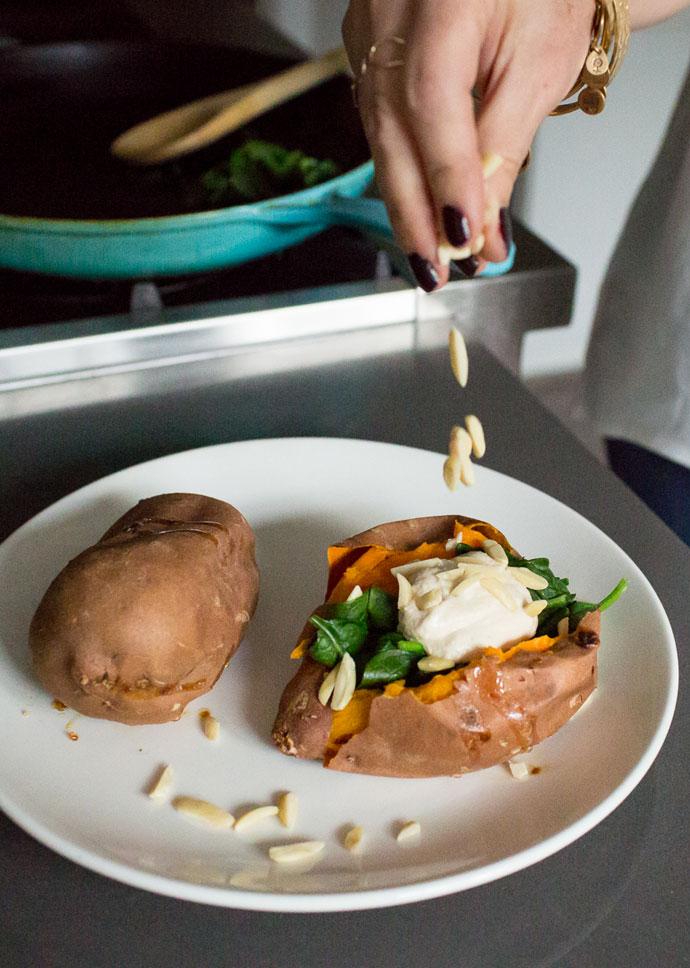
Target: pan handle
367,214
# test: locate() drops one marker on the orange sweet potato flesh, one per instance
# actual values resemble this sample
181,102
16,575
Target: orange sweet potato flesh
146,620
464,720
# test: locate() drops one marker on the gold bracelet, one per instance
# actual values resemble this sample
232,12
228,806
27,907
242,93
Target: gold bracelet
610,35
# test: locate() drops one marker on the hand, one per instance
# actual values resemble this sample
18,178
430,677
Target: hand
427,138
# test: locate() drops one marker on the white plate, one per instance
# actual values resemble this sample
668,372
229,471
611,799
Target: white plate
85,799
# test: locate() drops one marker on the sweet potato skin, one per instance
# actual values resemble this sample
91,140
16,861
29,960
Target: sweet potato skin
145,620
495,710
302,725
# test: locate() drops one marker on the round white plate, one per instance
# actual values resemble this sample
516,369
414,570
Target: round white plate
86,799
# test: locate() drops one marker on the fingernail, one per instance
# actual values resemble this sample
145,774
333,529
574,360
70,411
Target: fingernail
424,272
456,226
468,266
506,224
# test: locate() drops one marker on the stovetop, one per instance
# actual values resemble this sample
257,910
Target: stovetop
337,255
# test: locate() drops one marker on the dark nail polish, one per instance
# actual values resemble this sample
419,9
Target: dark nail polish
424,272
456,226
468,266
506,224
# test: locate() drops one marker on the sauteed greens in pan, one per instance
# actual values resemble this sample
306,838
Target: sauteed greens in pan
259,170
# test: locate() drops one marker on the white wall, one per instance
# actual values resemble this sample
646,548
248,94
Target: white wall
314,25
585,171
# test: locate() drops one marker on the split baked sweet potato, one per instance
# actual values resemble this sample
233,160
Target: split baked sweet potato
478,713
145,620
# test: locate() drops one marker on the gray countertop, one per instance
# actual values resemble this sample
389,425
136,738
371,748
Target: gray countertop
619,896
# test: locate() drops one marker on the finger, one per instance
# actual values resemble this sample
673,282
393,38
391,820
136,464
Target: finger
506,130
410,210
440,72
397,163
507,123
399,173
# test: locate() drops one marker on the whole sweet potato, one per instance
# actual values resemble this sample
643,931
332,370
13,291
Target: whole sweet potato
466,719
145,620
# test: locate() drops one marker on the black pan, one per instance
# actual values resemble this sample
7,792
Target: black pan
70,208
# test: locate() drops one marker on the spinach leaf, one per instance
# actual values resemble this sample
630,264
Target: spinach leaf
461,548
409,645
389,640
335,637
376,607
365,627
557,587
579,609
561,602
387,666
353,611
325,650
382,608
395,640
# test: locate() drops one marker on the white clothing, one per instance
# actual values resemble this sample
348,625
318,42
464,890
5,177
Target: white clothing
637,375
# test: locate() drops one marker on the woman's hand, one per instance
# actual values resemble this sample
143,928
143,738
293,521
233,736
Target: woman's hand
520,57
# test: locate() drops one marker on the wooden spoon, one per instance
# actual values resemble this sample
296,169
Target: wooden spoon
193,126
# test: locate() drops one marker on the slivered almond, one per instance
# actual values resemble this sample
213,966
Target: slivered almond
467,475
448,252
452,573
475,571
287,809
254,816
434,663
451,472
519,770
476,433
535,608
477,244
405,595
528,578
477,555
353,838
294,853
465,584
412,566
495,550
564,626
408,830
207,813
162,786
498,590
327,686
460,442
458,356
473,566
345,682
211,727
491,162
429,599
355,593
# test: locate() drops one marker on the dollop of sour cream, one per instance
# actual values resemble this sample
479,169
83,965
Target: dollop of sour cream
458,607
